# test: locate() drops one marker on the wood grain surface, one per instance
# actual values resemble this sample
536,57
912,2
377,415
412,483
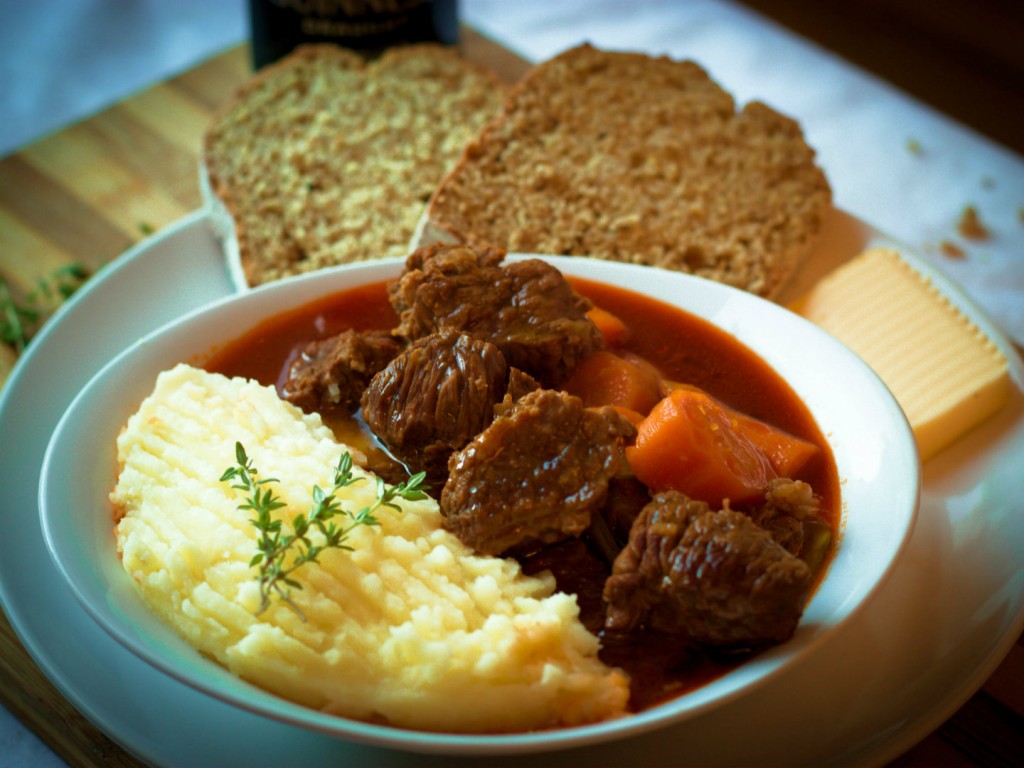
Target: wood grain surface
87,193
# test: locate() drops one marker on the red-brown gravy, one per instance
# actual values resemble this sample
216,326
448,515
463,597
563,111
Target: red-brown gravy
684,347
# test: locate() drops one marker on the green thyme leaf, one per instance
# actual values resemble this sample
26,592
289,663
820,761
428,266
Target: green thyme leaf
19,322
280,554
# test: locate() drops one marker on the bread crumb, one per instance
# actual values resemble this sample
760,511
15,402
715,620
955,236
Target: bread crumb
951,250
970,225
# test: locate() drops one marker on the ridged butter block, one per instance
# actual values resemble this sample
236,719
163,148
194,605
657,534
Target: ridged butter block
945,373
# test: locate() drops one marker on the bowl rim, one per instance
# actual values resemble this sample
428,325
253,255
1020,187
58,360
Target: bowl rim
297,291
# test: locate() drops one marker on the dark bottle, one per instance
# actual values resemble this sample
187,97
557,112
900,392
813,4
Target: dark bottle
369,26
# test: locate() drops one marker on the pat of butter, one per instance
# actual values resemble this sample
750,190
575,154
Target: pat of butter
944,372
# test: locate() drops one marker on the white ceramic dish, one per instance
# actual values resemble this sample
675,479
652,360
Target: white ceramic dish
934,632
873,447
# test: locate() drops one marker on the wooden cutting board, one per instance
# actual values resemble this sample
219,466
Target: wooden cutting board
89,192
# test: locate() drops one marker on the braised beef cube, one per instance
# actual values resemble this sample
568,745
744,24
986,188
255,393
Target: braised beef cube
330,374
627,496
535,475
434,397
528,309
713,578
484,255
789,506
545,329
449,287
610,525
519,385
578,571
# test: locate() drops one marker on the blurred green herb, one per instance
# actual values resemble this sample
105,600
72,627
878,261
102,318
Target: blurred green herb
281,553
20,321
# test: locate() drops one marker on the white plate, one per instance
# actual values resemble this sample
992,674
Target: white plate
926,642
876,461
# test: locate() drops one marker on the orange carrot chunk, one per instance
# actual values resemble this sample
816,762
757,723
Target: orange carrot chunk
787,453
688,443
604,378
611,327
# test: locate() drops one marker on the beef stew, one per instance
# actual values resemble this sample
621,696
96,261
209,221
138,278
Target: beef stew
602,538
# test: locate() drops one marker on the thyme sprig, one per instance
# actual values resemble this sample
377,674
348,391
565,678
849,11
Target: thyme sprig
20,321
281,552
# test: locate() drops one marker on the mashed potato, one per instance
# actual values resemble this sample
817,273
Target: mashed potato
411,628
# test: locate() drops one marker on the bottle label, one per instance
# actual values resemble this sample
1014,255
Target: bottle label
278,26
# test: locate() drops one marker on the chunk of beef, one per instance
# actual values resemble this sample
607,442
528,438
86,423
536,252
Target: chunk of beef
535,475
449,287
789,506
527,308
577,571
714,578
610,525
434,397
627,496
545,329
330,374
519,385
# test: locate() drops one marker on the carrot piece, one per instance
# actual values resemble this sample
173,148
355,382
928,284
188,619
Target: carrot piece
787,453
688,443
604,378
611,327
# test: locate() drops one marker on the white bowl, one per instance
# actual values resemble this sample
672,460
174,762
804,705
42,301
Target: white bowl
872,443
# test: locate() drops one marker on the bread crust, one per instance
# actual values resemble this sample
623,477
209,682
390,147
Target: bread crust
628,157
323,158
